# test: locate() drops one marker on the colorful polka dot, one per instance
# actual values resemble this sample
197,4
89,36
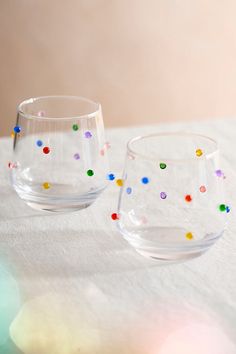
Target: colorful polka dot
119,182
202,189
12,165
17,129
129,190
222,207
41,114
199,152
111,176
77,156
143,220
145,180
188,198
75,127
219,173
39,143
131,157
115,216
189,235
162,165
163,195
88,135
107,145
90,173
46,150
46,185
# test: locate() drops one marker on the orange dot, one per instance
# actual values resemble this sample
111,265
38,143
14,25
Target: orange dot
46,185
188,198
119,182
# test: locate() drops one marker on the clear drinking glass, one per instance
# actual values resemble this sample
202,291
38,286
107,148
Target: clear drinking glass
60,160
171,205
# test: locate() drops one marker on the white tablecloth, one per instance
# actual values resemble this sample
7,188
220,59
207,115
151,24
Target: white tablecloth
71,284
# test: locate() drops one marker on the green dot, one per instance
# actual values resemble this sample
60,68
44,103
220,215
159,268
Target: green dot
162,165
222,207
90,173
75,127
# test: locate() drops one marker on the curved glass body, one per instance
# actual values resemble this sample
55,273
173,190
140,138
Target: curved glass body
60,162
171,206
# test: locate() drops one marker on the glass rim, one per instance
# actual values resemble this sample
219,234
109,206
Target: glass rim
79,98
162,158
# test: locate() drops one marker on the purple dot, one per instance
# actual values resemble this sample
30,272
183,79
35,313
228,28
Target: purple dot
88,135
163,195
76,156
219,173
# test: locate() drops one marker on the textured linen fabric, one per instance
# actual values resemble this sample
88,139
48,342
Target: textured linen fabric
79,279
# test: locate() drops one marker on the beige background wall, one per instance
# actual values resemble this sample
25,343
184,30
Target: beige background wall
144,60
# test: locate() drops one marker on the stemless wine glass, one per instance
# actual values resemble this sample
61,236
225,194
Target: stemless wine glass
60,159
171,206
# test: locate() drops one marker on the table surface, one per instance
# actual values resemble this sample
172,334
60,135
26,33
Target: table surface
72,284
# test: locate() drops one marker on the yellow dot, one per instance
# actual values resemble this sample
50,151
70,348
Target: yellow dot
12,134
199,152
46,185
189,235
119,182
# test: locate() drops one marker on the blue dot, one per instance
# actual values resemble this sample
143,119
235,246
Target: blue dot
227,209
39,143
111,176
145,180
17,129
129,190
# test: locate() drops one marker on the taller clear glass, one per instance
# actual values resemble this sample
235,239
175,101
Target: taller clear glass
60,158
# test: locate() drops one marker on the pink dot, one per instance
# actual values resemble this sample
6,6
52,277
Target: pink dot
41,114
202,189
131,157
107,145
143,220
102,152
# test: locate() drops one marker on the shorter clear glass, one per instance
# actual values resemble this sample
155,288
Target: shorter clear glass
60,158
171,205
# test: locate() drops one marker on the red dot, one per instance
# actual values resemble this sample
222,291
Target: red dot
188,198
114,216
46,150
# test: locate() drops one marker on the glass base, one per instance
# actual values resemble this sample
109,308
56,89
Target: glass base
59,203
170,258
168,244
57,208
